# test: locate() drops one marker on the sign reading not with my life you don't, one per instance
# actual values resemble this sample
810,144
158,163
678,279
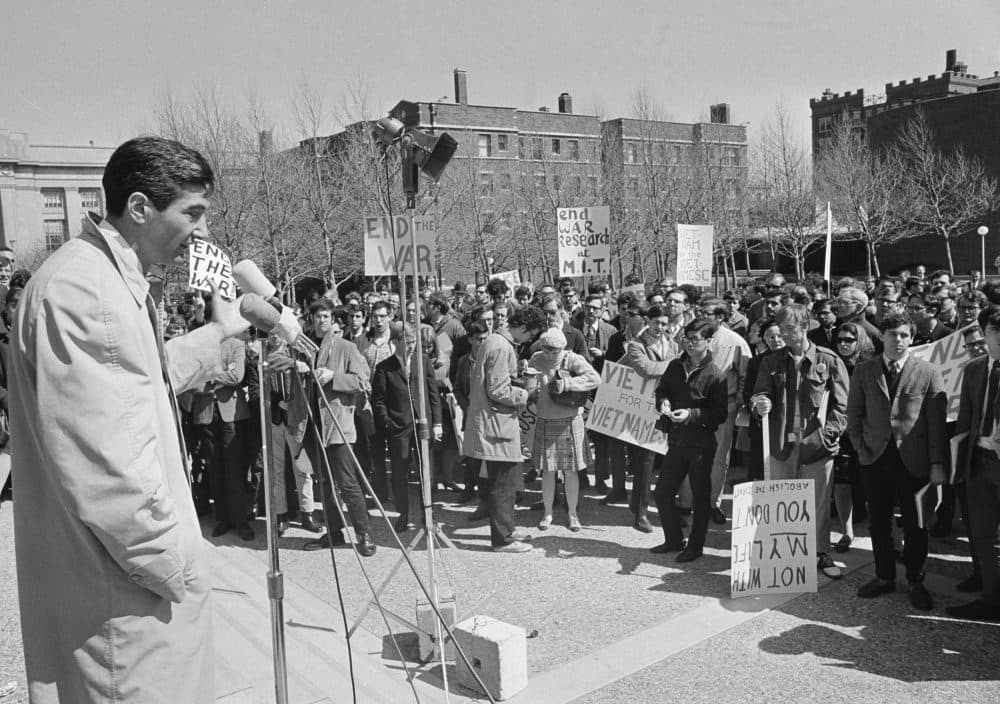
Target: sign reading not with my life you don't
773,538
206,264
584,240
382,255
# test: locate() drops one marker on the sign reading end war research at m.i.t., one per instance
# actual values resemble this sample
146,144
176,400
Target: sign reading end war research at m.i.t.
584,241
381,257
207,263
694,254
774,538
625,408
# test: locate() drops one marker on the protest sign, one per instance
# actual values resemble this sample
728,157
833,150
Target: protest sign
638,291
207,263
625,408
381,257
511,278
694,254
584,241
774,538
950,356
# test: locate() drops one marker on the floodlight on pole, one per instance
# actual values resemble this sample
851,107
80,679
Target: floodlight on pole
982,231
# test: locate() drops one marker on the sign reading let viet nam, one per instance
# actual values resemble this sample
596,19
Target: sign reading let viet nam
625,408
694,254
584,240
774,538
382,258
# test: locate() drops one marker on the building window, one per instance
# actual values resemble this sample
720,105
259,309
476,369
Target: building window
52,199
520,147
485,184
536,147
730,156
506,183
539,182
556,146
825,124
678,155
501,142
55,234
90,199
633,187
592,185
631,154
573,146
485,145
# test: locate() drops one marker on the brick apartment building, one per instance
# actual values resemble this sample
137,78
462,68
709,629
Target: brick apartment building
522,164
963,110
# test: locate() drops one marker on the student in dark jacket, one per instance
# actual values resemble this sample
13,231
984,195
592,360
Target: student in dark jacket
692,397
395,393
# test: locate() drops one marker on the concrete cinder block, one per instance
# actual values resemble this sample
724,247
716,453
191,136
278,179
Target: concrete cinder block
428,623
499,653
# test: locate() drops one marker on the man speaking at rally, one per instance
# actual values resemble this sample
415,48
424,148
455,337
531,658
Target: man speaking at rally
112,573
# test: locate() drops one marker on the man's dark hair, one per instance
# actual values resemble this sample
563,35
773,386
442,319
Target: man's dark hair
20,278
626,299
896,320
705,328
156,167
439,302
991,289
496,287
940,272
476,327
913,281
596,297
930,301
820,306
522,291
384,305
11,293
529,318
657,312
942,290
715,306
548,298
989,317
692,292
321,304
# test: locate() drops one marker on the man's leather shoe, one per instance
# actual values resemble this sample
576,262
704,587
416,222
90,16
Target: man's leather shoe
970,585
642,524
531,476
366,544
688,555
324,542
482,511
876,587
244,531
664,548
920,598
452,486
309,524
615,497
403,524
221,528
282,527
717,516
520,536
466,496
602,488
977,610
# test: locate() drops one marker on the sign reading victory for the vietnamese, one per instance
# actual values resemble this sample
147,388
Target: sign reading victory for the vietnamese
694,254
774,538
381,257
625,408
950,356
207,264
512,278
584,241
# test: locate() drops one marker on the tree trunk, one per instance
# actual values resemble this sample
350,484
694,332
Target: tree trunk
873,256
947,249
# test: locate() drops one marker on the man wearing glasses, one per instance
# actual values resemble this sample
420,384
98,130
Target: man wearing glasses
596,335
888,303
923,310
969,305
803,389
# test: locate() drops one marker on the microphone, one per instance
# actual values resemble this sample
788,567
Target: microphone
259,312
252,280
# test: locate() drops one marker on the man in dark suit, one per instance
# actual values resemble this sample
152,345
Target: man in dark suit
896,421
979,467
597,334
923,309
822,335
395,393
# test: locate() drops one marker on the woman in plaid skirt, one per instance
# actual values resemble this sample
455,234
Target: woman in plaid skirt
560,444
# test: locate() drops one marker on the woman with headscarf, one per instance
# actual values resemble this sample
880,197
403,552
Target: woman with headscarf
852,346
560,444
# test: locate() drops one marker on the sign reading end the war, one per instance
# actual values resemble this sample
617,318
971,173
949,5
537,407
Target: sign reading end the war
382,258
208,263
584,241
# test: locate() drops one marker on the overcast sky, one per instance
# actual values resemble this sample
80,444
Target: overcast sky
76,71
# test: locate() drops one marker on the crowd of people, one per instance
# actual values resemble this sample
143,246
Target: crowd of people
827,365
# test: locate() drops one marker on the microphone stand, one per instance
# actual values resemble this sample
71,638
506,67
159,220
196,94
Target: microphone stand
275,579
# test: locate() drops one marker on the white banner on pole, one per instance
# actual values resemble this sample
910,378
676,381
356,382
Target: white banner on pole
381,258
207,263
773,538
694,254
584,240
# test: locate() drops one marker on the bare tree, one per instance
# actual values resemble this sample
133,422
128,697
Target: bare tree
952,190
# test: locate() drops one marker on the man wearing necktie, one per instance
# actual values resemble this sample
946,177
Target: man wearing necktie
979,466
896,420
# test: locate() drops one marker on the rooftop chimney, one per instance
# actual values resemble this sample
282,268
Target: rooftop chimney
950,59
565,102
719,114
461,87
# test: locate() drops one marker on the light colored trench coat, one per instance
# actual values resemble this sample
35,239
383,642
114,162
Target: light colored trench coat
112,572
492,430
